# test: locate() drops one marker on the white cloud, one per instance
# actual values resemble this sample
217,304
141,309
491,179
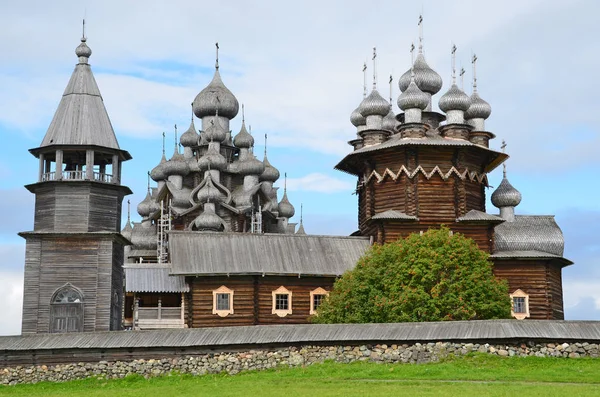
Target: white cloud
317,182
11,285
576,291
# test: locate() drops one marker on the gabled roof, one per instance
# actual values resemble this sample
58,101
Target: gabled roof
206,253
152,278
479,216
394,215
530,233
81,118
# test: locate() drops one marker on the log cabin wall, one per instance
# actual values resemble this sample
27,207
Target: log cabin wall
90,263
541,280
77,207
252,299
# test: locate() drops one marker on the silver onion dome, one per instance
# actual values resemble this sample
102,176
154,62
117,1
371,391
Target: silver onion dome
506,195
158,173
243,139
389,121
145,207
479,109
208,220
83,50
374,105
285,208
413,98
454,99
270,174
190,137
216,96
212,159
357,119
426,78
215,131
250,165
176,165
210,193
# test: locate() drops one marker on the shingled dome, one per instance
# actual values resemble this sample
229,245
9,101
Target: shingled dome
216,97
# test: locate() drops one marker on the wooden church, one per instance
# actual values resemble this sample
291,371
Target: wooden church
215,246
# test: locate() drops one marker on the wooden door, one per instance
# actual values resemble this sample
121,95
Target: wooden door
66,317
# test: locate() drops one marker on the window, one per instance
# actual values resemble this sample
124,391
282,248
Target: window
282,302
520,304
316,297
223,301
66,310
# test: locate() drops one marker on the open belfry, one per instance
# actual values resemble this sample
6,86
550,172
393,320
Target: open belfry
216,246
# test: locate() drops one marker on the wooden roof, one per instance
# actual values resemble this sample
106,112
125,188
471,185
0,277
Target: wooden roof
206,253
491,330
152,277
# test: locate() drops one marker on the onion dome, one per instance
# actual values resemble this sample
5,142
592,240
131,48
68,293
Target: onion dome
243,139
357,119
413,98
208,220
127,230
144,236
190,137
389,121
212,159
146,207
158,173
177,165
479,109
425,77
506,195
454,99
250,165
83,50
270,174
215,131
209,192
216,97
285,208
374,105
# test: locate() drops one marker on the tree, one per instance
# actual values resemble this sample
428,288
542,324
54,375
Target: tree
436,276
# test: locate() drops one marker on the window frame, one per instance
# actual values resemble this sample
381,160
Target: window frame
519,315
318,291
281,312
222,290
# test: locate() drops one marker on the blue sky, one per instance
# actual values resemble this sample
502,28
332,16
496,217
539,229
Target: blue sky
297,69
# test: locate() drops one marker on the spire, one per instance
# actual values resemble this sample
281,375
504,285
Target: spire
217,58
83,38
265,145
412,56
474,62
128,203
421,34
301,209
176,146
148,184
462,78
243,115
374,68
391,80
504,164
300,230
453,52
163,143
285,183
365,80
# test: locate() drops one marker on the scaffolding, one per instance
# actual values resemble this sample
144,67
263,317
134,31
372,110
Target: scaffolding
164,226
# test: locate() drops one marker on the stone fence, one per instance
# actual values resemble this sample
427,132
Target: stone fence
31,359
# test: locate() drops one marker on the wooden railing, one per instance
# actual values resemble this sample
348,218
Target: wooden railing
76,176
159,313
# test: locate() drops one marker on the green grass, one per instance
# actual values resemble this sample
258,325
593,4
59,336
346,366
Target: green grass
474,375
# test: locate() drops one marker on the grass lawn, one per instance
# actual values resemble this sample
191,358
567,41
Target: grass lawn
477,375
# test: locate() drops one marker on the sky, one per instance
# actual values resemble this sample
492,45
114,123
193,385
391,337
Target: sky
297,68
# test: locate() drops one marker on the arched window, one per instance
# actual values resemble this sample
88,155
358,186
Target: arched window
66,310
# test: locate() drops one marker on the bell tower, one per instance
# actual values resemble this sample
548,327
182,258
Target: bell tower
74,255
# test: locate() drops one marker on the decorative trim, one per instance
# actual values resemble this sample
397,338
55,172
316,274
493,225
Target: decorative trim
519,294
318,291
282,312
473,176
222,290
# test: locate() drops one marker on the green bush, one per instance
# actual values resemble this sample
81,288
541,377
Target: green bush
436,276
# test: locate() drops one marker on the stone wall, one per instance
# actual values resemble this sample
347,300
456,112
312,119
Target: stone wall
235,362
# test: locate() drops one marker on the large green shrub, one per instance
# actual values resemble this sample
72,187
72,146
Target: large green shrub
435,276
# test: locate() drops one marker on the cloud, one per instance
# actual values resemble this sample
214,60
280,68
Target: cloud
317,182
11,285
20,217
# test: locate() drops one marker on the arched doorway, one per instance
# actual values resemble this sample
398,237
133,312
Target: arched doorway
66,310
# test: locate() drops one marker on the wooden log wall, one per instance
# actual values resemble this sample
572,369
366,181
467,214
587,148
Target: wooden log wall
541,280
252,299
